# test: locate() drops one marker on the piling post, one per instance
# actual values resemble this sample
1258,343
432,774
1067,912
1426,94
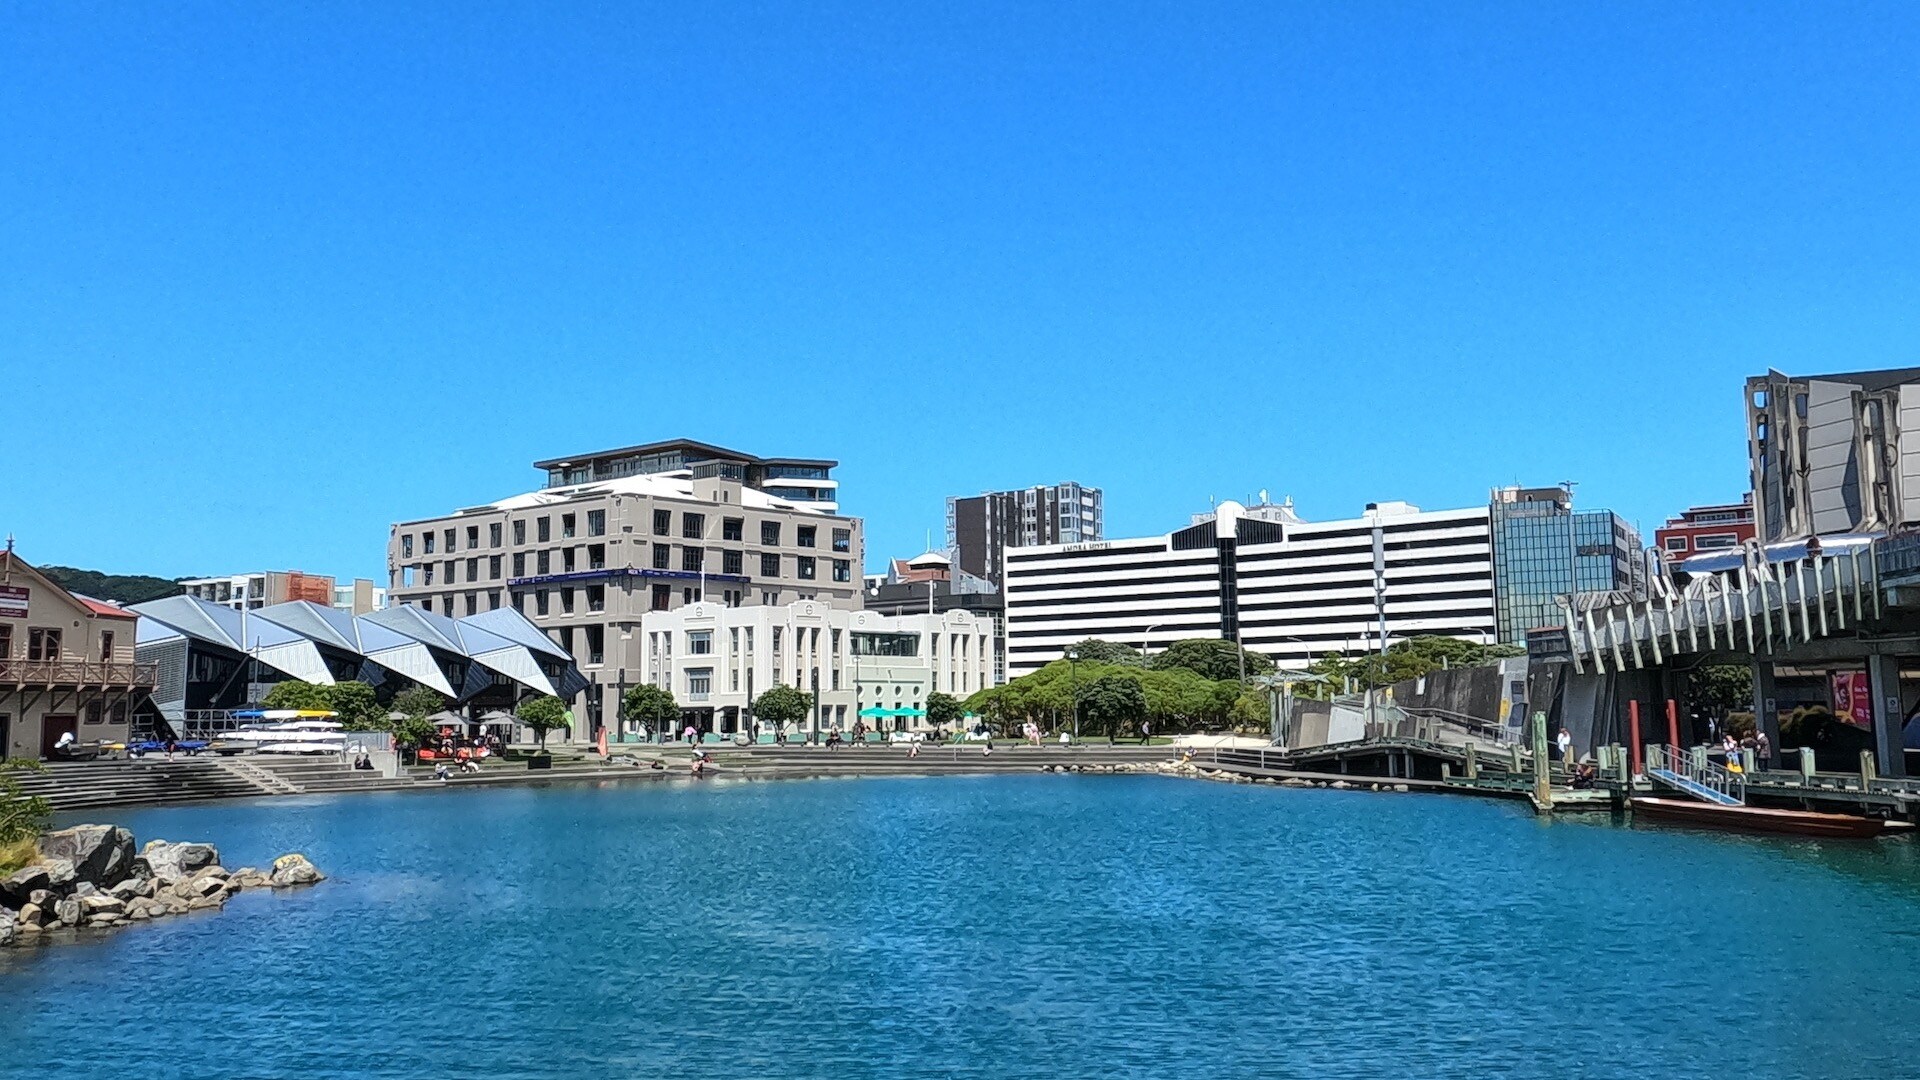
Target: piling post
1633,736
1806,766
1513,757
1542,779
1866,770
1472,766
1673,724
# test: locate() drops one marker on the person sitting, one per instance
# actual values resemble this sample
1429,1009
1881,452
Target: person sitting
363,763
1584,776
468,765
440,770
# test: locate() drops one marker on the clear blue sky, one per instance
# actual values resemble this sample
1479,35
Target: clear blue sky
278,275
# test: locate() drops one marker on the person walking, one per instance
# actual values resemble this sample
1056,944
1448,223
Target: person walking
1146,732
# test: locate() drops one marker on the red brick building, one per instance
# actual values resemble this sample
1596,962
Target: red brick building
1705,528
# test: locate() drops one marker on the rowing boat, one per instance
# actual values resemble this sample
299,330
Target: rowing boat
1759,818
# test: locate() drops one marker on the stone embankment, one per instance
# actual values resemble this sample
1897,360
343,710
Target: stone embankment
1191,771
91,876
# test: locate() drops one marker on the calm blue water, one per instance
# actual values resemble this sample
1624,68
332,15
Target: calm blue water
985,927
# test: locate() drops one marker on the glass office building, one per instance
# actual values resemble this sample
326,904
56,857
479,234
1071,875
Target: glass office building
1543,549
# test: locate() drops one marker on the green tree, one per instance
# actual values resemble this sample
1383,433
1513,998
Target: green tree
358,707
294,694
1211,658
1113,703
418,702
1251,711
543,714
1096,651
943,710
1718,689
783,705
652,706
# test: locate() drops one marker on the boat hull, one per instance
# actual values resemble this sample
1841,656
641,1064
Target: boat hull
1759,819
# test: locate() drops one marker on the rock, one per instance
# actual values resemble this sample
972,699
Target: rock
294,869
139,914
101,904
66,912
18,887
100,854
207,902
132,887
83,888
41,897
60,875
174,861
176,907
200,887
1340,785
248,877
32,915
7,931
216,870
104,920
1401,787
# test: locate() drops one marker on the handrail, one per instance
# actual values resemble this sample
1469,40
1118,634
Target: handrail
1705,773
82,672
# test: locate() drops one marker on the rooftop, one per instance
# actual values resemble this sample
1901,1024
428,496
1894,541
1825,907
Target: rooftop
692,446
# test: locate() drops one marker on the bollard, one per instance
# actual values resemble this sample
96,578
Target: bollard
1806,765
1866,770
1633,736
1472,765
1542,779
1513,757
1446,771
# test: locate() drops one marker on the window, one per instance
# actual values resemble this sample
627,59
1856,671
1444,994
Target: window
663,523
519,564
770,533
804,535
692,558
450,534
520,602
770,597
566,639
693,526
699,683
596,598
769,565
543,529
662,557
732,528
543,562
6,643
596,556
699,642
596,523
1714,542
842,570
493,599
106,645
493,535
473,537
566,599
566,526
473,603
493,568
540,602
406,546
426,543
1676,543
662,597
566,560
519,532
96,712
426,574
596,644
843,540
473,570
803,565
730,562
120,711
452,567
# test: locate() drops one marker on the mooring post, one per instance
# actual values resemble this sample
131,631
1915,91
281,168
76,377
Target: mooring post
1866,770
1542,779
1633,735
1513,757
1472,765
1673,725
1806,765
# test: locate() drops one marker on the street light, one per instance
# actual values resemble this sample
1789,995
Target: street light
1073,676
1144,637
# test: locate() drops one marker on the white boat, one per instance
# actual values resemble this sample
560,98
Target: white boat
302,747
309,725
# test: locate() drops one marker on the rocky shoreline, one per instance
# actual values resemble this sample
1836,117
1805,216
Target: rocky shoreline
92,876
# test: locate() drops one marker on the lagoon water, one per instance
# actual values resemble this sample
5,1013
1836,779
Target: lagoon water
986,927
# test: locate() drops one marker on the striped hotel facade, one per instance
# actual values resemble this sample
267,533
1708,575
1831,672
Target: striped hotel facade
1292,590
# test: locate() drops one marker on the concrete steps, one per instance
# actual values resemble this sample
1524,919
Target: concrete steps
320,775
86,785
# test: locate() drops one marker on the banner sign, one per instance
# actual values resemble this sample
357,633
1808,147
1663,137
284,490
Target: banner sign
1853,698
13,601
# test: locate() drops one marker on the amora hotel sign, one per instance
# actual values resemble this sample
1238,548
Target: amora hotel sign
13,601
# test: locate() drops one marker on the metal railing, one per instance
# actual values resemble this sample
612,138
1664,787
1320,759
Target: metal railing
78,672
1695,768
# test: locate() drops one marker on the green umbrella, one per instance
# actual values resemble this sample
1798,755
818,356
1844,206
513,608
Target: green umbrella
876,711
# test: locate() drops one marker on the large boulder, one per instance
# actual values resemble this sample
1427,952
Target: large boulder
17,887
32,915
6,928
294,869
97,904
101,854
171,862
66,912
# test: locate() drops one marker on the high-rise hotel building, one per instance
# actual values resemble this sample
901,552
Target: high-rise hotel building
1292,589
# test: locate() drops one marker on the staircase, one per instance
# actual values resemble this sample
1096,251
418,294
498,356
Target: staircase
87,785
1670,767
312,776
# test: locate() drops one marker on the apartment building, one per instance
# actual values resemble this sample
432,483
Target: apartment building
1699,529
716,660
1292,589
798,480
586,561
981,528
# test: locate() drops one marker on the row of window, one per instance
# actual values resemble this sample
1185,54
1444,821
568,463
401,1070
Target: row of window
43,643
693,526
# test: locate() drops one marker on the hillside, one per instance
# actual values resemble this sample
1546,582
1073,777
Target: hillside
119,588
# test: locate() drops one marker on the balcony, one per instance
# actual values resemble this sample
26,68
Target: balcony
80,674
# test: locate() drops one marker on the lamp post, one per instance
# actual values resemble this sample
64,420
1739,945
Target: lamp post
1073,677
1144,638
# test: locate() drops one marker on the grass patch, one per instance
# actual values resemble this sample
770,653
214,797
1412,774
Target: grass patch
18,853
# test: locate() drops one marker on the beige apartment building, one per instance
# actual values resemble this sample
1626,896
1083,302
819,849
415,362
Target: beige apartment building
66,665
651,529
